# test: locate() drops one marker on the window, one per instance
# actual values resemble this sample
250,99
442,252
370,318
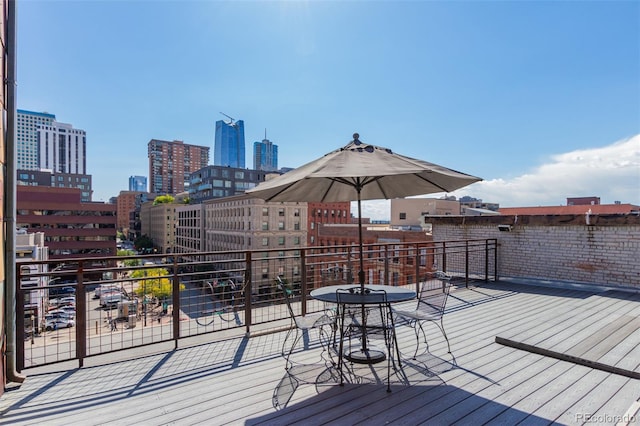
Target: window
265,226
403,216
296,226
280,241
296,240
281,212
265,241
265,211
281,226
296,212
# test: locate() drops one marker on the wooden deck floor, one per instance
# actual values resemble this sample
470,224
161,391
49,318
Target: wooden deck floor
233,381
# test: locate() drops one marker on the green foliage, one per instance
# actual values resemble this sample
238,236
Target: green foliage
163,199
154,282
126,253
132,262
143,242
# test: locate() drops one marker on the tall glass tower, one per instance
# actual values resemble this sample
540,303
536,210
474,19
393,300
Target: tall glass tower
228,149
138,183
265,155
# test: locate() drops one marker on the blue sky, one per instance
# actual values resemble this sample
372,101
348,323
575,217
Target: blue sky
541,99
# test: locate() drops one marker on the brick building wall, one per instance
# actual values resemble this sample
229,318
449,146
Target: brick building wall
557,247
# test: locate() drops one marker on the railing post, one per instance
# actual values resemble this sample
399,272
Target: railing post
417,264
386,265
175,296
175,311
248,286
466,264
444,256
486,261
303,284
495,259
20,325
81,316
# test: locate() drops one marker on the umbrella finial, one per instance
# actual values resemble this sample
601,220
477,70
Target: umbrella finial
355,138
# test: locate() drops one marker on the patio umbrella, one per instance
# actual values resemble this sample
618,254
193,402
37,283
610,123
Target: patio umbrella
359,172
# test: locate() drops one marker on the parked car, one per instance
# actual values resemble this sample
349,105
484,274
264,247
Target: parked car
105,288
61,291
63,301
112,299
56,323
58,314
68,309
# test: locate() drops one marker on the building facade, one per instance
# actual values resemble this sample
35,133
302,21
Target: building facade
71,228
30,247
410,211
27,146
229,147
58,180
323,213
62,149
220,181
138,183
265,155
171,164
125,205
158,222
190,228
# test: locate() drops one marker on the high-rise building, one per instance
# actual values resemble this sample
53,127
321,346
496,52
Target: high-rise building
27,149
171,164
221,181
265,155
62,149
229,144
138,183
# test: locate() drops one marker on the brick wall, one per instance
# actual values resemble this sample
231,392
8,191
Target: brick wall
559,248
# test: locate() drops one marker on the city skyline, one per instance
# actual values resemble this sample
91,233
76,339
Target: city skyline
537,98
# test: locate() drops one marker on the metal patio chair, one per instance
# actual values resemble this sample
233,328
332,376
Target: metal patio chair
430,308
363,322
301,324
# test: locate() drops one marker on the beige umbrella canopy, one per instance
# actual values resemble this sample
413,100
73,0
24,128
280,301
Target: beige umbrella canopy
361,172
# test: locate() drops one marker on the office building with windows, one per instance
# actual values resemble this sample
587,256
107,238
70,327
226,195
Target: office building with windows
265,155
62,148
221,181
171,164
57,180
27,149
138,183
229,149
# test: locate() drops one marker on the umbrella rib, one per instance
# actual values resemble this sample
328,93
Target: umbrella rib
431,182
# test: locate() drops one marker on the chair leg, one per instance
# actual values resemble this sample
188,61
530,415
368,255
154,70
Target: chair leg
295,342
444,333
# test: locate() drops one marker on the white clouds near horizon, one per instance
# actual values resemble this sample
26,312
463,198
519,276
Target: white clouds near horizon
610,172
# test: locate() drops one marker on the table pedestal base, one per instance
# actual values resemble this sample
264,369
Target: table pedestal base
366,356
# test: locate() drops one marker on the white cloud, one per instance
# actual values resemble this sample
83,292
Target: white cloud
611,172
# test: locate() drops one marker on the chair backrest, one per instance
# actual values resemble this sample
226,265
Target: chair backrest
357,303
433,301
358,296
286,293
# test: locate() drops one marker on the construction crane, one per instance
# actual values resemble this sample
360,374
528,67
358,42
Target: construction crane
230,118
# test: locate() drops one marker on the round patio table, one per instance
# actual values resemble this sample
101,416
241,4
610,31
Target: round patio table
364,355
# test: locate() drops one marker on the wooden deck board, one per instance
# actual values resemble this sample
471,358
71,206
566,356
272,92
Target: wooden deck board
232,381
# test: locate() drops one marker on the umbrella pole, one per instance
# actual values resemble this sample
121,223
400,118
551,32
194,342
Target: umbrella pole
361,273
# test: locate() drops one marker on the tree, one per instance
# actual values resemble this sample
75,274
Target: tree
143,242
163,199
154,283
